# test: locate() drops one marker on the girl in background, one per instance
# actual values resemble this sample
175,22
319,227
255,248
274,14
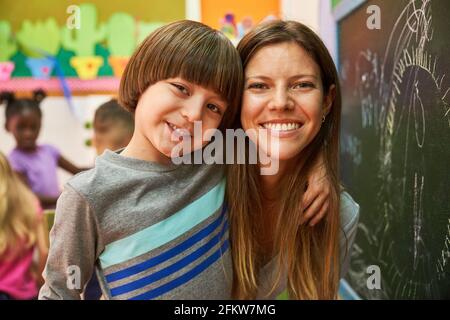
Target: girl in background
22,230
36,164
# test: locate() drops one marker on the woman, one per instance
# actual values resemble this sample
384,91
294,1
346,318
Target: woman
292,95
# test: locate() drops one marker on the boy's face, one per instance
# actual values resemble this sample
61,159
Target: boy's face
168,109
109,134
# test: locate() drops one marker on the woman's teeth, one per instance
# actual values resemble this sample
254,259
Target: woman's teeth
281,126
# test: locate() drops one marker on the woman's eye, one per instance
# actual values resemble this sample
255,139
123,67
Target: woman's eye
303,85
181,88
257,86
213,108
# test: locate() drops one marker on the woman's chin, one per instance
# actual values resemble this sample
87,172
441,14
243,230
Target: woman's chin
280,155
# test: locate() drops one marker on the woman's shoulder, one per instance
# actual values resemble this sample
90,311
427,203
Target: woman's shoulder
349,211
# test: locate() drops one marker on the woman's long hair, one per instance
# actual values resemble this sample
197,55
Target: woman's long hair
18,208
308,256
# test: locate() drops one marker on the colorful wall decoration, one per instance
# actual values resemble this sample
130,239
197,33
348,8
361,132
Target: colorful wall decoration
234,18
38,44
213,11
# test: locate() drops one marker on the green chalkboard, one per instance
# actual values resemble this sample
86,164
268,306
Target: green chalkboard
395,146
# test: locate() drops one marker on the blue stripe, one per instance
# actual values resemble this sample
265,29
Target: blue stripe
164,231
167,254
185,277
137,284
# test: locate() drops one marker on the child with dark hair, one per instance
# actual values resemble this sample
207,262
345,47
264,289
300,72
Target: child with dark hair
113,127
151,229
35,163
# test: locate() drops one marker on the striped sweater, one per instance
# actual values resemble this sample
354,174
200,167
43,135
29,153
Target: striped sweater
149,231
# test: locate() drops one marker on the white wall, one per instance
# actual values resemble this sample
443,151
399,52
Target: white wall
62,128
304,11
317,15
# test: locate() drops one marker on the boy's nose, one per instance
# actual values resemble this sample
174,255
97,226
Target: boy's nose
193,110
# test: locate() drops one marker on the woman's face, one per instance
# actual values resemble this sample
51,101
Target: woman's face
283,100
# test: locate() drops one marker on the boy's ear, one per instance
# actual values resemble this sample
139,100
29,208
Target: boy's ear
329,99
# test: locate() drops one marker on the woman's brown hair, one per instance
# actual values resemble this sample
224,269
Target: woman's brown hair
309,256
190,50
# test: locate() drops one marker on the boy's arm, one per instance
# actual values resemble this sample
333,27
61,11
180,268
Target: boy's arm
316,197
73,248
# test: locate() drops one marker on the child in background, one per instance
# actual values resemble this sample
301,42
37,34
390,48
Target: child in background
35,164
22,230
113,127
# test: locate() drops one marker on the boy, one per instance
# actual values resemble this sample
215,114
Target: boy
152,229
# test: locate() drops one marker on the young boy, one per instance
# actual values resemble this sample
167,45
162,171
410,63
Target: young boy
113,127
152,229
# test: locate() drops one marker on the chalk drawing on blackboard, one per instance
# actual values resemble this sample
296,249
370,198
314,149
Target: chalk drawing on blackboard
410,88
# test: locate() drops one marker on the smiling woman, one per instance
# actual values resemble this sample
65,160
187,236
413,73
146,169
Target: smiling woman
291,93
272,92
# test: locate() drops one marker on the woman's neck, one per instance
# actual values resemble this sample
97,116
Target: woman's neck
271,183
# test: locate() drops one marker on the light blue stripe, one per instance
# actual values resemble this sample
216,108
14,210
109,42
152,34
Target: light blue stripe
346,291
169,254
164,231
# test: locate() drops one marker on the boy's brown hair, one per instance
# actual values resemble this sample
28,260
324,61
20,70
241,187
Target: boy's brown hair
192,51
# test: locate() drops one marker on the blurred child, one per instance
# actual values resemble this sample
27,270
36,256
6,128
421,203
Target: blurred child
22,230
113,127
36,164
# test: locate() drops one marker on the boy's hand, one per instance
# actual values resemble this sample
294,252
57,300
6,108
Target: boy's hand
316,197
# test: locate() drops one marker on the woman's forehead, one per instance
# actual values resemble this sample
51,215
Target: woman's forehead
287,58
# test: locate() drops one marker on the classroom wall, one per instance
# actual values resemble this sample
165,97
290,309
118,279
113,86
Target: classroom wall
65,129
15,11
212,11
62,128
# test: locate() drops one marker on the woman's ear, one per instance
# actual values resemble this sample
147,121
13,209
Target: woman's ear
329,99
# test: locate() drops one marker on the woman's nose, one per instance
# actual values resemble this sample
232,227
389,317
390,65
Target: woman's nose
281,100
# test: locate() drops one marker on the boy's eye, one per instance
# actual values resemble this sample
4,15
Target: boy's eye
302,85
180,87
257,85
213,108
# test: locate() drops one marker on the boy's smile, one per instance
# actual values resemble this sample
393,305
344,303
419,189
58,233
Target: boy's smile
165,115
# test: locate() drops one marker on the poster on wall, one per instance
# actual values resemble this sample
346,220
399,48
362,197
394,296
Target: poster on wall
235,18
84,47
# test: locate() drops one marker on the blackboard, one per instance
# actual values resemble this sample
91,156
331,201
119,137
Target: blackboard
395,146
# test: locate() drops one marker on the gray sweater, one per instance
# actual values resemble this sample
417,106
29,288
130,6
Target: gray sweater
349,217
150,232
